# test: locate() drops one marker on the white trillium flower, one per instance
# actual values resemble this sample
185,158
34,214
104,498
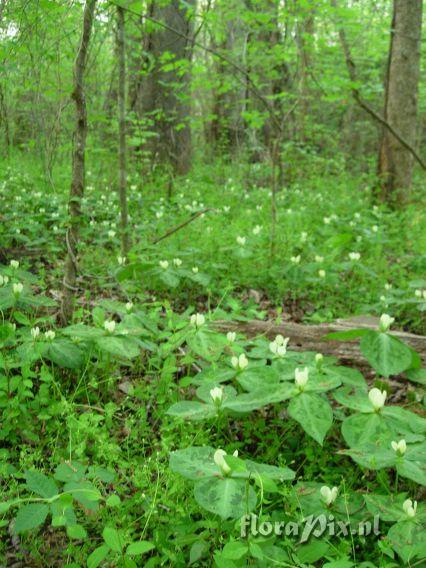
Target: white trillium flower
231,336
354,256
111,234
195,269
109,326
329,495
409,507
301,377
377,398
129,307
50,335
164,264
219,460
241,241
35,332
399,447
295,259
217,395
177,262
14,264
319,258
240,362
197,320
418,293
385,322
257,229
279,345
121,260
319,358
17,288
321,273
327,220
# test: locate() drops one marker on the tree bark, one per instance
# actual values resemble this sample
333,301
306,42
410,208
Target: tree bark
395,166
162,95
78,170
122,132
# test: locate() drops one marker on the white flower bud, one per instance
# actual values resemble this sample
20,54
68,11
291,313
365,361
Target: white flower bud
50,335
301,377
240,362
409,507
17,288
231,336
385,322
164,264
195,269
399,447
197,320
35,332
217,395
14,264
177,262
377,398
329,495
220,461
241,241
109,326
355,256
129,307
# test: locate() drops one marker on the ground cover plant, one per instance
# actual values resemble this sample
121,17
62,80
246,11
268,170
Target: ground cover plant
142,420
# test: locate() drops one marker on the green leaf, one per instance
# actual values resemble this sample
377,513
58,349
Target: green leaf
346,335
385,353
141,547
76,532
41,484
113,501
126,347
113,539
235,550
70,471
228,497
313,413
85,493
97,556
64,354
194,462
192,410
30,517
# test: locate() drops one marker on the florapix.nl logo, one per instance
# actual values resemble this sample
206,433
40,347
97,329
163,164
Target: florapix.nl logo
311,526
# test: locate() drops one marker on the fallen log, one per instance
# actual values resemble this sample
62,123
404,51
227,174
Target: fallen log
311,337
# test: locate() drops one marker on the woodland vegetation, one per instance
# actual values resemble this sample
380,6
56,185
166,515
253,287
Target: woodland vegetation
212,283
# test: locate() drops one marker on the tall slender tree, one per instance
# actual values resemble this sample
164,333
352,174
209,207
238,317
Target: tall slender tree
78,170
395,161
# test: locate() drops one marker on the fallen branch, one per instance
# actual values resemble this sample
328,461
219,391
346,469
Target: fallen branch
311,337
181,226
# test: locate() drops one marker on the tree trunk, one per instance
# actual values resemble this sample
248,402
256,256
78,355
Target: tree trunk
122,131
77,181
162,95
395,166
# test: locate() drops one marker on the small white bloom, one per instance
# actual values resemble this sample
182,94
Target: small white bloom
327,220
35,332
377,398
129,307
17,288
226,209
295,259
177,262
385,322
257,229
111,234
321,273
231,336
374,228
301,377
354,256
197,320
388,286
14,264
121,260
399,447
319,358
329,495
240,362
409,507
241,241
418,293
109,326
217,395
303,236
319,258
195,269
220,461
50,335
159,214
164,264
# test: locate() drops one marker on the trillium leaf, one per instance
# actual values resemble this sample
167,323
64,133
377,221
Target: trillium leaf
194,463
414,470
192,410
126,347
408,538
313,413
355,400
227,497
385,353
64,354
348,376
363,429
404,421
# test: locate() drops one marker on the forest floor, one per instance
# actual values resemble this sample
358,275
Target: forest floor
92,410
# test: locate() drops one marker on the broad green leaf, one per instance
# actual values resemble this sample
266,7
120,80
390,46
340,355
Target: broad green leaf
113,539
97,556
385,353
227,497
138,548
120,346
30,517
192,410
313,413
64,354
70,471
194,462
40,484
